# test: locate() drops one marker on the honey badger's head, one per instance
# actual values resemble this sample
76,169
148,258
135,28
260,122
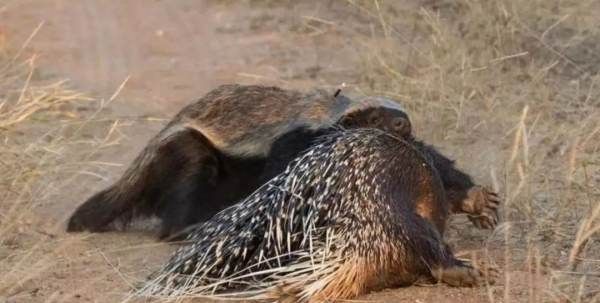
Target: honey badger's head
380,113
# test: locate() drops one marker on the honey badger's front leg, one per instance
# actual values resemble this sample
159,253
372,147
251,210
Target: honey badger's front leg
480,205
464,196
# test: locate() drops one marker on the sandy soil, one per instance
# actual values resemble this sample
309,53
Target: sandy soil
172,52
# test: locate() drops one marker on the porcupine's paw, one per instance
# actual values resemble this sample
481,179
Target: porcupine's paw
463,274
481,207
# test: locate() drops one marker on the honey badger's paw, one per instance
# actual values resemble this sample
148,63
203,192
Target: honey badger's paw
481,207
463,274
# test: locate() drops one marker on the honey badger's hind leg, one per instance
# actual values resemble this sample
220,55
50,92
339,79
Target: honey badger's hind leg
171,157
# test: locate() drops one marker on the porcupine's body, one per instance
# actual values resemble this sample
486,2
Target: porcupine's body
360,211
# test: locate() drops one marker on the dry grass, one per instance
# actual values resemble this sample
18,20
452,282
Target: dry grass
44,147
514,85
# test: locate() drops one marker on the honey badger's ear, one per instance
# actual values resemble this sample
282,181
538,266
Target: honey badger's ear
347,121
374,119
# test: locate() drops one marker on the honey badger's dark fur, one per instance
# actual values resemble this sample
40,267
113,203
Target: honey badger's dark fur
360,210
219,149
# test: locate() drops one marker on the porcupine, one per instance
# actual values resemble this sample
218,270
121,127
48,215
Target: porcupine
361,210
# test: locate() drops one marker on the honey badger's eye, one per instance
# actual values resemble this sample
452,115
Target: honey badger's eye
401,125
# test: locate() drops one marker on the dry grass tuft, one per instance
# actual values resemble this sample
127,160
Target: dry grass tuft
514,85
43,149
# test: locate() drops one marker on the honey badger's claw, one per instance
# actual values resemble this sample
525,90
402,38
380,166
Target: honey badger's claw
482,207
464,274
461,275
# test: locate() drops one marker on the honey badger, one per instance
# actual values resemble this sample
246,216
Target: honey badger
219,149
360,210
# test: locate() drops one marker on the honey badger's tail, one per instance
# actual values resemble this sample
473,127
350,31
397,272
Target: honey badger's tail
169,160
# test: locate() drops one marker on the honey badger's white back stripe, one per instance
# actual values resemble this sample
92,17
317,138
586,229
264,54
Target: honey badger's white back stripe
254,144
258,142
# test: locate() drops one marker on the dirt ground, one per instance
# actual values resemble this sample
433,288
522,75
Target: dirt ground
166,54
